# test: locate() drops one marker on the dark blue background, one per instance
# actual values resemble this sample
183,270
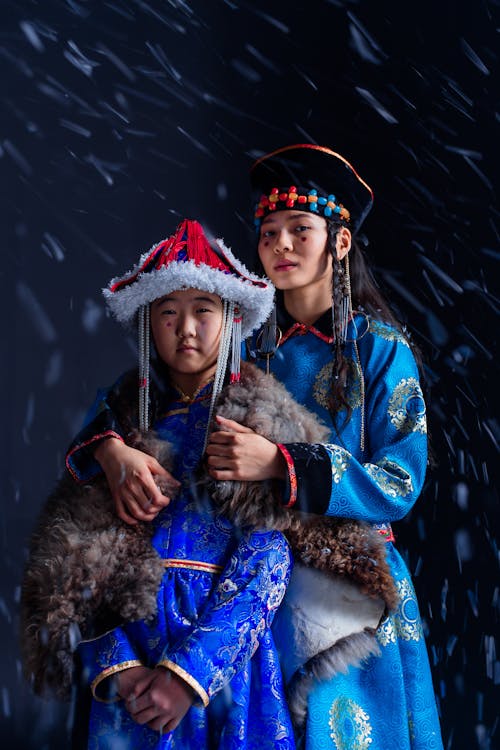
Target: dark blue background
118,118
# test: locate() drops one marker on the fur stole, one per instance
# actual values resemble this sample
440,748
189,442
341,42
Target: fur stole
88,571
326,622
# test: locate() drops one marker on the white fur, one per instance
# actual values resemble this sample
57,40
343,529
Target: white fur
255,301
317,612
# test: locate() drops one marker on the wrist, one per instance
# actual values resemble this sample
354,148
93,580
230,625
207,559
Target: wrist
106,448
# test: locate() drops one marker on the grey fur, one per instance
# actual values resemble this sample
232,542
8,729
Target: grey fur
89,572
349,652
339,547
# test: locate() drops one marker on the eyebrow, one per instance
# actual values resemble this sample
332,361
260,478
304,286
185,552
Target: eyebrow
270,219
173,298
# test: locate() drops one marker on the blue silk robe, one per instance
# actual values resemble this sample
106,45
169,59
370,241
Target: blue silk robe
216,602
373,469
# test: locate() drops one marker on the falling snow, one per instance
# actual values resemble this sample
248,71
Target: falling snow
120,117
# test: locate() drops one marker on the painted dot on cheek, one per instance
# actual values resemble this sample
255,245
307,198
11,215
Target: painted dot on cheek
303,239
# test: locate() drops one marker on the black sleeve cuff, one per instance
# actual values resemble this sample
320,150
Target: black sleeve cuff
309,477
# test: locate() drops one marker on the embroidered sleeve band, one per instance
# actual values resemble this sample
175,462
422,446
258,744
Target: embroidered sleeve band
194,684
109,672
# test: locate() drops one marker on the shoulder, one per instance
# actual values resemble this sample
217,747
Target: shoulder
387,332
366,330
374,335
382,348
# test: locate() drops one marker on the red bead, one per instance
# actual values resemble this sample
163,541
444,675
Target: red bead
283,196
302,199
274,191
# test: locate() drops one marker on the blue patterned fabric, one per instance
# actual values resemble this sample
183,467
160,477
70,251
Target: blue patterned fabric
216,604
389,702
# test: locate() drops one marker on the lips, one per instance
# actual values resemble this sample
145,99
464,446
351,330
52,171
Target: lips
285,265
186,349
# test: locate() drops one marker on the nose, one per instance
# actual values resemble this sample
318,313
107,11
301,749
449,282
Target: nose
186,327
282,242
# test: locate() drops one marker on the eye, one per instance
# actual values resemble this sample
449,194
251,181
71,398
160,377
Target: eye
204,310
167,311
266,233
301,228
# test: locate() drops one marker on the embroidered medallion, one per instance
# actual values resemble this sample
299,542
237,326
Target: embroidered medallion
405,622
392,479
407,407
322,385
350,725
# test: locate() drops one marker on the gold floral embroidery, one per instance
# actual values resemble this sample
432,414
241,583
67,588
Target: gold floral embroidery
406,407
322,385
340,461
350,725
392,479
405,622
386,632
387,332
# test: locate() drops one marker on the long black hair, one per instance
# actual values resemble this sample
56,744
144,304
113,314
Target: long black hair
366,297
351,277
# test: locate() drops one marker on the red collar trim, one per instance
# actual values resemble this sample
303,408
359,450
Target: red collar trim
300,329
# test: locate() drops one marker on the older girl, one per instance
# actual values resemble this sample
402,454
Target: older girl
340,351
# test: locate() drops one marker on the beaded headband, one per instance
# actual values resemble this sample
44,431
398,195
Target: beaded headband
303,200
316,175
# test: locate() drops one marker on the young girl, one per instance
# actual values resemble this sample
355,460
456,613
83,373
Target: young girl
203,672
340,352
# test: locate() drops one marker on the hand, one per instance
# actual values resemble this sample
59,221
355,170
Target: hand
127,680
162,702
237,452
131,478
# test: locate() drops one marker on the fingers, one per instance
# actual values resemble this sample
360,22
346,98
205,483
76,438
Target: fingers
157,469
219,439
149,496
157,725
148,702
139,498
122,513
230,424
130,510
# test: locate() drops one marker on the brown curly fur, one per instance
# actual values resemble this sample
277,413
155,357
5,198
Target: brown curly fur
87,572
338,546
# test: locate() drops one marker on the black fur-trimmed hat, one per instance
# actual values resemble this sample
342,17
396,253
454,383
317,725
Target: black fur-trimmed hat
306,177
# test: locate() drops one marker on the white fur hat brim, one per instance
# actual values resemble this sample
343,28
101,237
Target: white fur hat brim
253,294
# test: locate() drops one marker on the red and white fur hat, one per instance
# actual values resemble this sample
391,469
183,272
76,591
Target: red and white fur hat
187,260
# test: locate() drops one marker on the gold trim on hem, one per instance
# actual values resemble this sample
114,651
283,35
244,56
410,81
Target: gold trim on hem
111,671
187,678
170,562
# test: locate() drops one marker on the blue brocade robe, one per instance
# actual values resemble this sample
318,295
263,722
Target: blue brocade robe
389,702
216,602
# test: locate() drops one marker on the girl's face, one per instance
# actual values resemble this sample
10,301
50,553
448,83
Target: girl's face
186,327
292,249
